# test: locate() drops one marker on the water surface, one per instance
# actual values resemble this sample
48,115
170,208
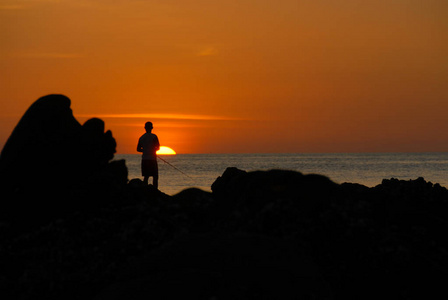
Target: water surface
366,168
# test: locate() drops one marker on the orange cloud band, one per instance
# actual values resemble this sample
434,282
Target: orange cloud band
163,116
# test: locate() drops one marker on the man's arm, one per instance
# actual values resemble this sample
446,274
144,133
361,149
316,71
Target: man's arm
156,144
139,147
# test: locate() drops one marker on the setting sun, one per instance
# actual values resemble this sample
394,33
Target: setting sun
166,151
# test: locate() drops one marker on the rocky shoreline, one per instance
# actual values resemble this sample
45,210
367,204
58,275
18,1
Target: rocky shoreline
274,234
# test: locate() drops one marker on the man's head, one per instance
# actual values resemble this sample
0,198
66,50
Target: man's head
148,126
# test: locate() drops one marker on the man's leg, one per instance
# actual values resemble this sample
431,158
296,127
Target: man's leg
155,181
144,171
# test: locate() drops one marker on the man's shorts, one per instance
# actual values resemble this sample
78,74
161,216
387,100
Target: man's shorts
149,167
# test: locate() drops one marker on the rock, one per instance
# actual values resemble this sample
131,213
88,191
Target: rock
44,143
193,197
222,183
99,146
255,191
193,210
237,183
210,266
49,144
272,234
117,172
50,163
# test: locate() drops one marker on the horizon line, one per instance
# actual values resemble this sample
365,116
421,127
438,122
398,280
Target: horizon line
259,153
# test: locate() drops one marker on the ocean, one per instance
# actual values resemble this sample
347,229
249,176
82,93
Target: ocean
365,168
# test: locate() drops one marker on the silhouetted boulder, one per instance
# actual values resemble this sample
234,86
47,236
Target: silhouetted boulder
43,145
99,146
230,176
50,163
246,195
49,144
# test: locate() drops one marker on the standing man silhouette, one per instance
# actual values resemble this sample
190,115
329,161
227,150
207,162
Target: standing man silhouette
148,144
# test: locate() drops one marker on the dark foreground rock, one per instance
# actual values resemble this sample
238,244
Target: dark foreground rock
50,159
270,234
49,145
274,234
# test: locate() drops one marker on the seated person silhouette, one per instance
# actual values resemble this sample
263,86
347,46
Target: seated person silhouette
148,144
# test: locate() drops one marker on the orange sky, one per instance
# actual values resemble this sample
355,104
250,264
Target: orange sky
236,75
